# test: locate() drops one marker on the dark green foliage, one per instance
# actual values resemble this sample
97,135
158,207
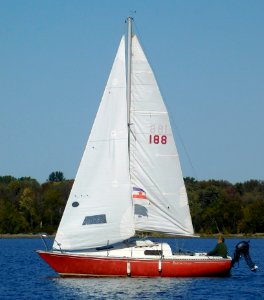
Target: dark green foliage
221,206
27,206
56,176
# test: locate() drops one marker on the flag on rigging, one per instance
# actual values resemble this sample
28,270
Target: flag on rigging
138,193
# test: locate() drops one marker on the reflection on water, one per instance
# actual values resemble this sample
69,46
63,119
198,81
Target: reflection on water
247,286
125,288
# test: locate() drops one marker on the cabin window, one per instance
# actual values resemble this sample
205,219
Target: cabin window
96,219
153,252
141,210
75,204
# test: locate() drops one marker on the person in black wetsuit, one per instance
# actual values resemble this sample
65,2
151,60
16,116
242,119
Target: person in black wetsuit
220,249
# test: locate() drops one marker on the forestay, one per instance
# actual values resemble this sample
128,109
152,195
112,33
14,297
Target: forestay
159,192
99,209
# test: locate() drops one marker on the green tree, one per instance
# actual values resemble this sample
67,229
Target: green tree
54,198
11,221
56,176
28,205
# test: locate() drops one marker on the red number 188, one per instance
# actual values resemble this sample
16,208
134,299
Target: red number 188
157,139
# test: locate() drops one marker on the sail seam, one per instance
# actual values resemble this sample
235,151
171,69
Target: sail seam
150,112
106,140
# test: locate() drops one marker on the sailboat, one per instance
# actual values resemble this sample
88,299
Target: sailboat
129,180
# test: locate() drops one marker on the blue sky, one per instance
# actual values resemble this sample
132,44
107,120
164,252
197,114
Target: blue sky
55,57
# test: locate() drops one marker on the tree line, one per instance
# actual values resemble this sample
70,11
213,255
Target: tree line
26,206
219,206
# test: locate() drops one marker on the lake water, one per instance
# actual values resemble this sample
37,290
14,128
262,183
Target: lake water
23,275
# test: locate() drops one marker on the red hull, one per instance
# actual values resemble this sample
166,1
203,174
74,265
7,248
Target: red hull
85,266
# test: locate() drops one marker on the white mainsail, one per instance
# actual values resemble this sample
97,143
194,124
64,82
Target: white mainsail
99,210
159,193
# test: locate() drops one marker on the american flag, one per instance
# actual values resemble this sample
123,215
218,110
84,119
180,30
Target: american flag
138,193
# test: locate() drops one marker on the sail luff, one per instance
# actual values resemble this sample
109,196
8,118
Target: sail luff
129,51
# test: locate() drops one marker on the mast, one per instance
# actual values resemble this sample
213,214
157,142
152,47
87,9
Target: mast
129,46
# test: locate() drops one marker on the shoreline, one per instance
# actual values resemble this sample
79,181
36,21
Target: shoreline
240,235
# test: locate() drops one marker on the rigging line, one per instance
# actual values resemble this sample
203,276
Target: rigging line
182,142
214,221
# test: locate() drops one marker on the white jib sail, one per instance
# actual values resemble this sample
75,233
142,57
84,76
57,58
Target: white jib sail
159,193
99,209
